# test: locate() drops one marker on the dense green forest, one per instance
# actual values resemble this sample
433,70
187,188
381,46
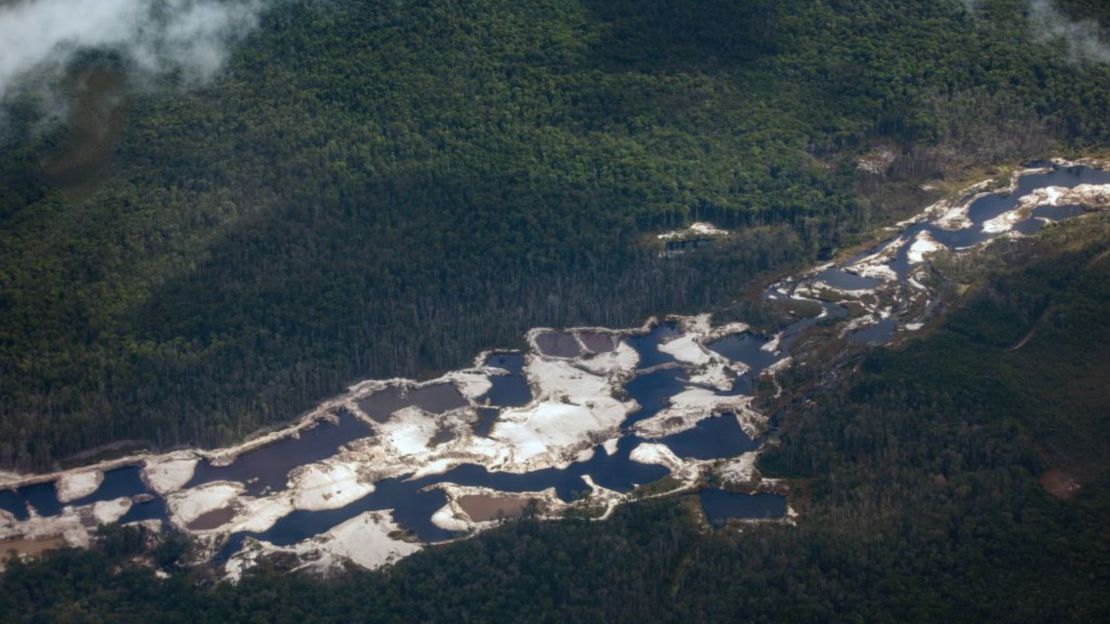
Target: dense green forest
924,479
385,188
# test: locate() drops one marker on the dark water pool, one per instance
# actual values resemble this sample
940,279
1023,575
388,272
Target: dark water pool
877,334
43,497
990,206
11,502
957,239
1058,213
507,390
1029,226
746,347
268,467
434,399
653,392
438,398
716,436
839,278
558,344
487,418
381,405
117,483
154,509
721,506
647,346
616,472
979,211
598,342
413,508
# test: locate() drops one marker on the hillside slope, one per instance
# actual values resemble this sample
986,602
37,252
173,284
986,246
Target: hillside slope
924,481
384,188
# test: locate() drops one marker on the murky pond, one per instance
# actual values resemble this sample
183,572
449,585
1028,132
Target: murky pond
653,392
487,418
212,519
42,497
381,405
507,390
413,511
746,347
434,399
843,280
721,506
482,507
11,502
413,503
1058,213
1029,226
30,547
438,398
647,346
558,344
267,468
117,483
716,436
877,334
152,509
616,472
598,342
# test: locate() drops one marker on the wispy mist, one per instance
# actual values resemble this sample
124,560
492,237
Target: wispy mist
1083,38
188,37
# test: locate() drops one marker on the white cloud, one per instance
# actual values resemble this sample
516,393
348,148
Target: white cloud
1083,38
37,37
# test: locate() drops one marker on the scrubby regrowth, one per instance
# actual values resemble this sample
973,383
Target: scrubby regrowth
583,420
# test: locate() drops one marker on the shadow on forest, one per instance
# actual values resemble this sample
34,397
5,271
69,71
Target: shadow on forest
293,304
683,35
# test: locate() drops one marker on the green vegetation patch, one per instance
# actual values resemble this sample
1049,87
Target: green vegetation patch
385,188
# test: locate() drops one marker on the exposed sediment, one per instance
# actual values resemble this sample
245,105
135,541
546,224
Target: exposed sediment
578,415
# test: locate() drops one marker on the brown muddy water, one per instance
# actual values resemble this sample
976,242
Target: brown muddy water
598,342
212,519
558,344
434,399
30,547
482,508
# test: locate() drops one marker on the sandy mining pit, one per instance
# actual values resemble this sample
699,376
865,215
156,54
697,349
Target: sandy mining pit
585,418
